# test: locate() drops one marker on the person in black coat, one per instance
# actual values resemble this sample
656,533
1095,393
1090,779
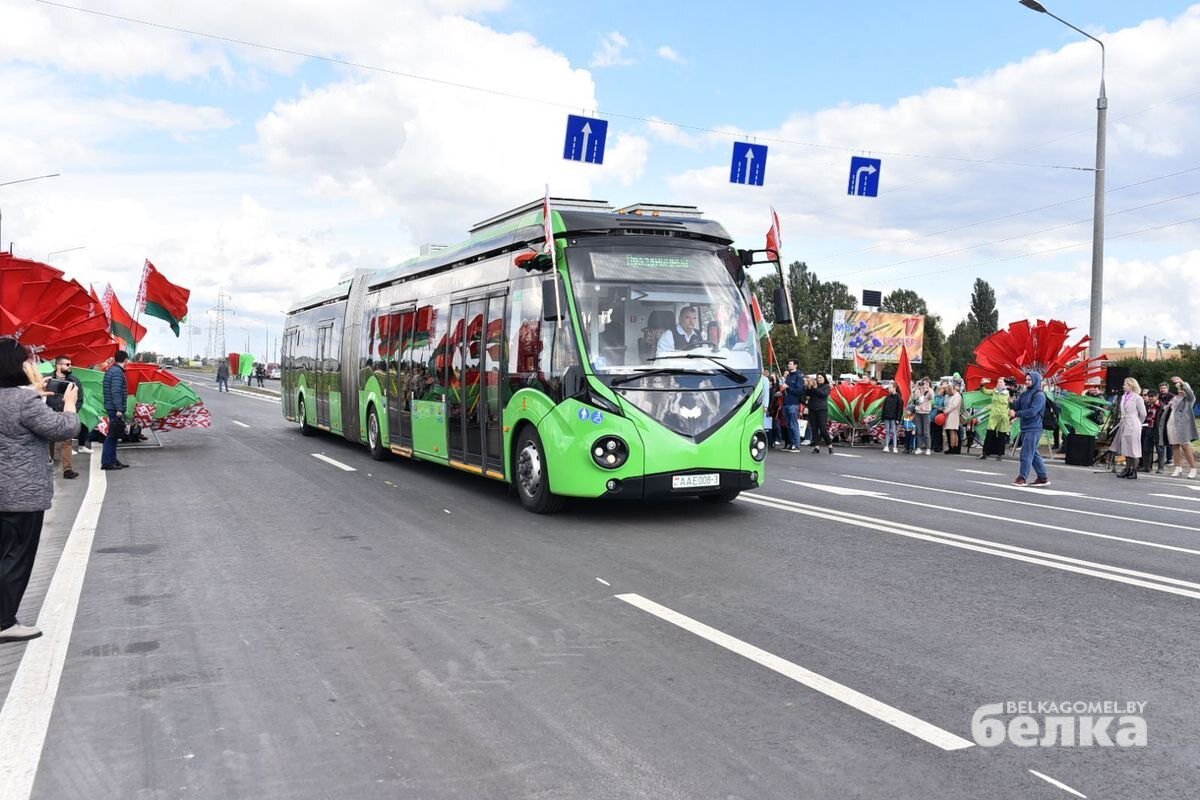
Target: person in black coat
818,413
893,411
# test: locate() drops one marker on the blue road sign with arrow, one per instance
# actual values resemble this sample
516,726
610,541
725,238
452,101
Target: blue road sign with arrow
585,139
749,163
864,176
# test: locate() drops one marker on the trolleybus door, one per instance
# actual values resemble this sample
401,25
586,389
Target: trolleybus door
491,408
400,368
474,411
454,382
324,376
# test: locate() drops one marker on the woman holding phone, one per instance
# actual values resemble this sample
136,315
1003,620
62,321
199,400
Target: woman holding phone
27,428
1181,426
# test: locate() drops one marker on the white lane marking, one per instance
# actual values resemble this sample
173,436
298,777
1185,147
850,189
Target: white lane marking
1032,524
25,717
843,694
989,498
1097,499
847,455
274,399
606,583
845,491
1040,490
1059,784
1065,563
1178,497
244,425
980,472
337,464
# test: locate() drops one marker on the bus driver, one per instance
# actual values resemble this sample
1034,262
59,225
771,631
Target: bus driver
684,336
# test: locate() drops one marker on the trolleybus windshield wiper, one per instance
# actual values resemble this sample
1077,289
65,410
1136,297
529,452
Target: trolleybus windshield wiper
729,372
646,373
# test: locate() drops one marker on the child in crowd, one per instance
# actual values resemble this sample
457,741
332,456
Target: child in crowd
910,431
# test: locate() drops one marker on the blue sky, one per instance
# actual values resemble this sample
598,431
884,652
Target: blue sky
270,176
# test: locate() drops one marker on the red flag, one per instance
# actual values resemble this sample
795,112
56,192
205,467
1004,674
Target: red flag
120,321
860,362
160,298
904,375
774,239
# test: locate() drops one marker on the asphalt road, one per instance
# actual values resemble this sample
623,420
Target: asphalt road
259,622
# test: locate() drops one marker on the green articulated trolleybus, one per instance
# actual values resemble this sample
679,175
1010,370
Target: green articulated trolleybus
631,371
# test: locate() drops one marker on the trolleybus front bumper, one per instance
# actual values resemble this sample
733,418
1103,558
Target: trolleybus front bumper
660,485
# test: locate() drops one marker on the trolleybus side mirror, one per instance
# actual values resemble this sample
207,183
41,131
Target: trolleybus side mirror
531,261
781,307
549,301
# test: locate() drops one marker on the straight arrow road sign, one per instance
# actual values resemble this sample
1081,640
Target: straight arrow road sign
749,164
585,139
864,176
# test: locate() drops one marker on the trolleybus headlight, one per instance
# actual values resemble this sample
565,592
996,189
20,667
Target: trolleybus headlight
610,452
758,446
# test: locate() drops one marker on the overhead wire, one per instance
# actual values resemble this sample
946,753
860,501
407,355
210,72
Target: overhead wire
538,100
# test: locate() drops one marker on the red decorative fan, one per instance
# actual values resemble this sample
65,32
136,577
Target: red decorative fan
56,316
137,373
1039,347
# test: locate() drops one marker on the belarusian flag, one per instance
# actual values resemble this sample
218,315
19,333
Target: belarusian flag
860,362
119,321
774,238
760,323
160,298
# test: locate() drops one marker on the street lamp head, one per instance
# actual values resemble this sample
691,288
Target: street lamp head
1035,5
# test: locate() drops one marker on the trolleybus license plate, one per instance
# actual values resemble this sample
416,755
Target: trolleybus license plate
695,481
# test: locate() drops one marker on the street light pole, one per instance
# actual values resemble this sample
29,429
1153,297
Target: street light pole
1097,300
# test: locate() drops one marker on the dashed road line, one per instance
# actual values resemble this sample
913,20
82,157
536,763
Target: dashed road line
1059,784
843,694
242,424
335,463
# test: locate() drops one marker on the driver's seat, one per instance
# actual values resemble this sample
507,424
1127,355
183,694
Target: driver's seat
661,319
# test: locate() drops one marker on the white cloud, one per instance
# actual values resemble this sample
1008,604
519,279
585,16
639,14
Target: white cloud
668,53
626,158
611,52
1038,111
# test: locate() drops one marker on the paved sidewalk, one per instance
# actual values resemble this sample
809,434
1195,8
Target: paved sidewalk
68,497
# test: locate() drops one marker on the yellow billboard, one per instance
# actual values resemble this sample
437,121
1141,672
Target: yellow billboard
877,336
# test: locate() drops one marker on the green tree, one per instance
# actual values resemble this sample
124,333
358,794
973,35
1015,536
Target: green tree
813,302
983,317
960,346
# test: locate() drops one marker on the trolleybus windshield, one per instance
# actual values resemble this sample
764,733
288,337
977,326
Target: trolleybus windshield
658,307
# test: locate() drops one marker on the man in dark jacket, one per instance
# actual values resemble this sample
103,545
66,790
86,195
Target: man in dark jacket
223,375
116,398
1030,407
62,372
793,397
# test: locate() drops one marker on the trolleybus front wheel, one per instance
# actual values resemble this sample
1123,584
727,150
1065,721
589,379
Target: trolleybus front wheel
530,476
